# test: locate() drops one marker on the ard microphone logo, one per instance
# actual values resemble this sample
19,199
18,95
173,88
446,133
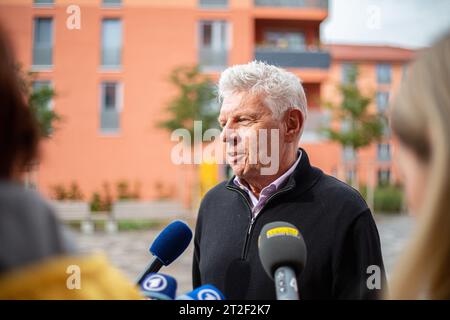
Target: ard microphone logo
208,294
155,283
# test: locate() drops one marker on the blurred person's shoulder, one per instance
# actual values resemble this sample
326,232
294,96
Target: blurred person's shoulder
12,192
22,203
29,229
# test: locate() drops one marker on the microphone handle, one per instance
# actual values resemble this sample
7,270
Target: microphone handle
286,284
154,266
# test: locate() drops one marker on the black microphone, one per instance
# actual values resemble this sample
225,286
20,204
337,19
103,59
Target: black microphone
282,252
167,247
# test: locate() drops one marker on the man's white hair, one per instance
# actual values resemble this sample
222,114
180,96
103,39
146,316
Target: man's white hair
281,89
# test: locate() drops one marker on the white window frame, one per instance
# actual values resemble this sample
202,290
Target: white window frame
43,67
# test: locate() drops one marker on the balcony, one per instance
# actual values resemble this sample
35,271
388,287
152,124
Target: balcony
294,58
319,4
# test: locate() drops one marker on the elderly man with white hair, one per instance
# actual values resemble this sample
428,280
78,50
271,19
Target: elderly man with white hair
260,100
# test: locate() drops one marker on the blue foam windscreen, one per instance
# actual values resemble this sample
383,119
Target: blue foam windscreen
159,286
205,292
171,242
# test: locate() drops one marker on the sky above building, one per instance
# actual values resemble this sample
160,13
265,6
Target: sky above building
404,23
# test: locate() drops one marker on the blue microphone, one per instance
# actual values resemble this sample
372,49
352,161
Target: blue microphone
158,286
168,246
205,292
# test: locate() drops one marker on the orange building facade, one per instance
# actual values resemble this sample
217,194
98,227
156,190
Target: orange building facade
380,72
109,62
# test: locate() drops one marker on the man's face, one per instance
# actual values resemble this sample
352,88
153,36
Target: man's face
242,117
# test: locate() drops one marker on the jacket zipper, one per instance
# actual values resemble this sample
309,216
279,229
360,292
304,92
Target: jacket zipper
253,219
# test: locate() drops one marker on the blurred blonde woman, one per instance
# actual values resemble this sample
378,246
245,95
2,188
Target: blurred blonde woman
420,121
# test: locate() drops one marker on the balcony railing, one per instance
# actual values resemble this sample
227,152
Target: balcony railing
321,4
213,59
294,59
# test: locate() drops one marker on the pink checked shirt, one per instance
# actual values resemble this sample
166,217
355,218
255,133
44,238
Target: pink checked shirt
266,192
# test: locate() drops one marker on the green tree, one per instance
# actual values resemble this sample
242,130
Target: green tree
195,101
38,101
359,127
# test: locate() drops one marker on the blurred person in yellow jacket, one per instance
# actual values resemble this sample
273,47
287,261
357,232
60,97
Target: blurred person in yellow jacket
57,278
37,258
420,121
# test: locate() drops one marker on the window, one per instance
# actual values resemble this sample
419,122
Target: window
111,100
386,128
43,3
39,85
312,128
348,153
384,177
112,3
213,4
111,43
43,42
348,73
213,50
350,176
284,40
382,101
383,73
346,125
384,152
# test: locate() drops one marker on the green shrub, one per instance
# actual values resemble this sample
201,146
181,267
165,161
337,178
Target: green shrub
387,198
72,193
59,192
129,225
124,191
102,201
96,202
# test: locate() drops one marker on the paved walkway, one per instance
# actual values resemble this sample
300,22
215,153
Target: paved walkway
129,250
395,231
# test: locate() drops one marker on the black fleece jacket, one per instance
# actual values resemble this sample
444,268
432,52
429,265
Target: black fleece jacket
340,235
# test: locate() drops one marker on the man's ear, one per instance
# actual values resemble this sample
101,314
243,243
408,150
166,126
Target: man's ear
294,121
